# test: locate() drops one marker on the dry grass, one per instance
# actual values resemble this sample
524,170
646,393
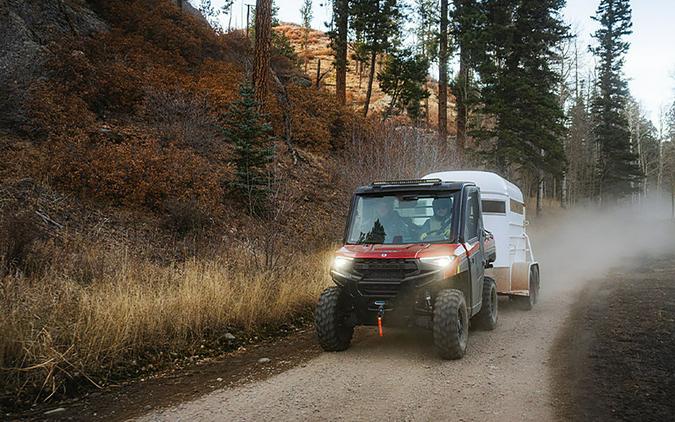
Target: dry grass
56,332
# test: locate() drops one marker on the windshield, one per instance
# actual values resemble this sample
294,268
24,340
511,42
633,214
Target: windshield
403,218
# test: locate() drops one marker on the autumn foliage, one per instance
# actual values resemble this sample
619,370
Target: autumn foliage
133,116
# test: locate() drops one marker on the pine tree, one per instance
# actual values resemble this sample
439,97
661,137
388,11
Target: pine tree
467,19
403,78
617,166
426,21
580,152
263,41
306,14
338,41
378,21
246,129
519,84
443,71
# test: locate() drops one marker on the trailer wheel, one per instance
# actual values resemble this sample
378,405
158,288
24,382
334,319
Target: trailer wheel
487,317
332,329
450,324
526,303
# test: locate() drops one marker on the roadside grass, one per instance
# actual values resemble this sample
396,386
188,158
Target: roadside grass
58,332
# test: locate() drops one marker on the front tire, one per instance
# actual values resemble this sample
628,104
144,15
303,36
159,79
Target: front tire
450,324
332,329
487,317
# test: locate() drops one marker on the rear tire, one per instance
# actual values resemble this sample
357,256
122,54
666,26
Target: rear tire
487,317
332,329
450,324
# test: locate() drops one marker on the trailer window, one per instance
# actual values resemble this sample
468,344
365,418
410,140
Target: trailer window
494,207
517,207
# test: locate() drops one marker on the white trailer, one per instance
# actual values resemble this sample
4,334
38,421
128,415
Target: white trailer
515,270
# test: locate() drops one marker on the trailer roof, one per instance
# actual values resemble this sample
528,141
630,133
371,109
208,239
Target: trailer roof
488,182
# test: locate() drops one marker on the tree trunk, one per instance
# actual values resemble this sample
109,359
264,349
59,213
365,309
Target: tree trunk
443,73
263,40
563,191
462,94
540,192
341,19
371,76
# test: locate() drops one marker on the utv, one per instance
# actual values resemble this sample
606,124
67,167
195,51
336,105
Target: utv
414,255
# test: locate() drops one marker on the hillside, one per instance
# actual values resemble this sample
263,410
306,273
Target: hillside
318,49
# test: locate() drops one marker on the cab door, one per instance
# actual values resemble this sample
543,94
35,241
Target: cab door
473,242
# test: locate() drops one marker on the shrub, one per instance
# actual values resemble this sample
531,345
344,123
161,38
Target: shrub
18,233
134,172
183,217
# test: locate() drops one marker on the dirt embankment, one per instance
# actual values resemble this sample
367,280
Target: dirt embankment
616,354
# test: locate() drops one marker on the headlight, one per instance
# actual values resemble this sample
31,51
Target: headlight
438,261
341,262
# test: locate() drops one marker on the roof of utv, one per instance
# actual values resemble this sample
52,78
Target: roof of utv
418,185
488,182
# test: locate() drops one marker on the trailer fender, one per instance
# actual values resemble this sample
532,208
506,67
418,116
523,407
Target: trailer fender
520,275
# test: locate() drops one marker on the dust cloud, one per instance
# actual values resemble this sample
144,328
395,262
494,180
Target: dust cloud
577,246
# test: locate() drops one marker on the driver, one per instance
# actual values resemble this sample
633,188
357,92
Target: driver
438,226
394,225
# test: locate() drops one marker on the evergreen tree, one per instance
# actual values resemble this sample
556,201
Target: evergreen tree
403,78
617,165
519,84
338,41
443,71
467,18
580,152
306,14
246,129
261,54
378,21
426,22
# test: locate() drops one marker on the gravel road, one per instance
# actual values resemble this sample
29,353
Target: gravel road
504,376
507,374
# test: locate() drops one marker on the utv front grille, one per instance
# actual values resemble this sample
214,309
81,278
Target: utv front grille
383,277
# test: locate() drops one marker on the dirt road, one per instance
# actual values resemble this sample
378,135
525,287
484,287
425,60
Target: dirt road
506,375
511,373
503,377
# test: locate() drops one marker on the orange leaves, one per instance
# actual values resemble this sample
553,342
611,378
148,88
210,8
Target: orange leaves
134,172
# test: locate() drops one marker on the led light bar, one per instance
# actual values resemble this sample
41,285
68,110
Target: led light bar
407,182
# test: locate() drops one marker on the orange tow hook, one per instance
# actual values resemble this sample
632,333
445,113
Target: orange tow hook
380,314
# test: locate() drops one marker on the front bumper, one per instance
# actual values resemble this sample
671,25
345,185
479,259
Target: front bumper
407,287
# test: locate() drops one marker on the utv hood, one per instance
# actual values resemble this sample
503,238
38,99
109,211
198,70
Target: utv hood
406,251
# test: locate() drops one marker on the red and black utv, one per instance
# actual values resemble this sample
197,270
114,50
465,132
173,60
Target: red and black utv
414,255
